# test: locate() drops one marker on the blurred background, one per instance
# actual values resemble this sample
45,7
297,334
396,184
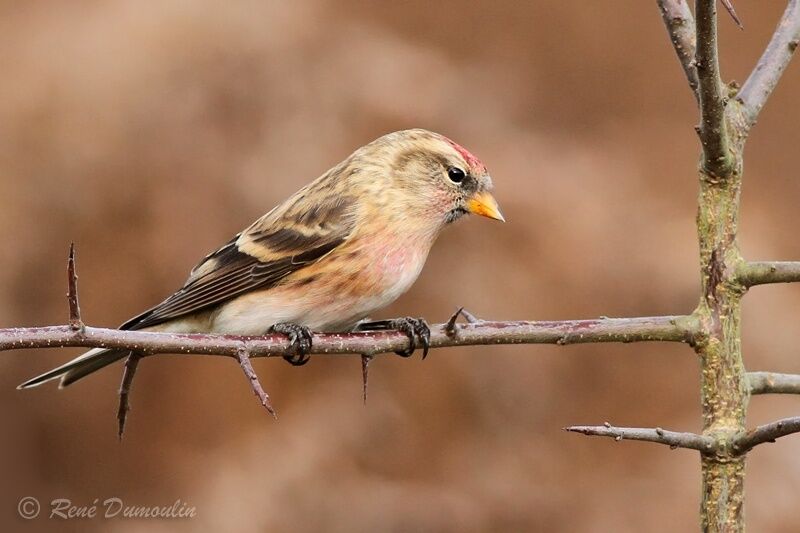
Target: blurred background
149,133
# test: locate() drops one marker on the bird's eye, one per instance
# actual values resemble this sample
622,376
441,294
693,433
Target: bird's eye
456,175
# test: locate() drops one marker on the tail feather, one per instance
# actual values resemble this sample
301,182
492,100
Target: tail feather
78,368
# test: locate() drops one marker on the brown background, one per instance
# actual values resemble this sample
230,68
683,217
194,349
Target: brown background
149,133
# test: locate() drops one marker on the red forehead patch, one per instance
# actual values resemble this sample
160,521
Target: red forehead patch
472,161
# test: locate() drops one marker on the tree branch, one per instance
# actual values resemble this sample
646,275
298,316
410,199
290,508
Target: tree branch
761,82
773,383
679,22
641,329
673,439
764,272
766,433
718,160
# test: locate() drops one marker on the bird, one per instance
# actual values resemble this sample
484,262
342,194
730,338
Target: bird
342,247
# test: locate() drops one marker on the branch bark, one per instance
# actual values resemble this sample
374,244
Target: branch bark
679,22
762,81
641,329
773,383
764,272
717,158
673,439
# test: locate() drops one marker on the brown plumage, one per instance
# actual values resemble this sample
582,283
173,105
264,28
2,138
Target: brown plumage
345,245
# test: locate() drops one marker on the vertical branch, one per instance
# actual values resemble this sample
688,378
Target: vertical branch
723,495
717,158
724,385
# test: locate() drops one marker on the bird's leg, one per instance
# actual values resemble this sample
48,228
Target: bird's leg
412,327
300,342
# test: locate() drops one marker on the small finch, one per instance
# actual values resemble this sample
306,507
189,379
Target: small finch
340,248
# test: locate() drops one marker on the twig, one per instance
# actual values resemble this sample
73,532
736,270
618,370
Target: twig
243,357
761,82
764,272
75,322
672,439
679,21
131,363
766,433
773,383
625,330
718,160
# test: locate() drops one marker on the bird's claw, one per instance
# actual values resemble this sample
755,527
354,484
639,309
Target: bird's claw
414,328
299,339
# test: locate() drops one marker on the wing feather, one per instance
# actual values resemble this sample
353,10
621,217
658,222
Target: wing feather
283,241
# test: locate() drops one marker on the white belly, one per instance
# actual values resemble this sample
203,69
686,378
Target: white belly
322,305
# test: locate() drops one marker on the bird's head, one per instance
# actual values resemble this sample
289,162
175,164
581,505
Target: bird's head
429,178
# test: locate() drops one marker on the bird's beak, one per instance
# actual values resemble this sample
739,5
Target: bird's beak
485,205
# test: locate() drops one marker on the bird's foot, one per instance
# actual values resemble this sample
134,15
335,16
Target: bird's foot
299,339
413,328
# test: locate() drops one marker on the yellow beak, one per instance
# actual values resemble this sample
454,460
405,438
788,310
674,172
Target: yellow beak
485,205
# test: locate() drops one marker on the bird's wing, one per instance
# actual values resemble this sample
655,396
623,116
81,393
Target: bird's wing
285,240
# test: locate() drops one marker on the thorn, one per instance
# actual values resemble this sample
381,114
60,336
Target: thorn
469,317
243,357
131,363
450,326
365,359
732,12
75,322
607,424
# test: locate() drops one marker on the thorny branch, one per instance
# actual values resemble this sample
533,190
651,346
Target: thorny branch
680,328
773,62
625,330
673,439
365,344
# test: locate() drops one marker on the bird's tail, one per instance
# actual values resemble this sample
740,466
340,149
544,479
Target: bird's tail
78,368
